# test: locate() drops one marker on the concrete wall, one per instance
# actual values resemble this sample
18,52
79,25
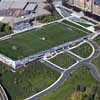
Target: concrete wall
7,61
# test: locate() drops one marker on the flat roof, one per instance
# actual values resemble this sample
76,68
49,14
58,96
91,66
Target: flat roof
36,0
18,4
31,6
5,5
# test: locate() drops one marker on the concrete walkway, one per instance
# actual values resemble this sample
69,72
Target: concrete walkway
65,73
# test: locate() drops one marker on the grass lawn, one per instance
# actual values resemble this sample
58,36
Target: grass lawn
63,60
28,81
96,62
83,24
97,40
83,50
52,17
80,80
93,22
76,26
31,42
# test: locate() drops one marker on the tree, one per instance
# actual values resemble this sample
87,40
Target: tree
77,96
49,1
1,27
7,29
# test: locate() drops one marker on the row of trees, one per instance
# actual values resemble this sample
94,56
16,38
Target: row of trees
53,13
5,29
86,93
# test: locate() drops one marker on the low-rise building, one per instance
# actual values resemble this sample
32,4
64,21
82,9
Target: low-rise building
14,11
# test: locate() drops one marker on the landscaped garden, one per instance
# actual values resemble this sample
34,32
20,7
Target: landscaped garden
27,81
52,17
84,24
97,40
63,60
91,21
96,62
83,50
33,41
75,26
79,86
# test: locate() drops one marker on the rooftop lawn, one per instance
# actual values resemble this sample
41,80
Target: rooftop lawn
63,60
83,50
80,82
31,42
96,62
27,81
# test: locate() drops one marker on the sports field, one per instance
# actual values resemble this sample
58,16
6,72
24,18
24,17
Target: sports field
31,42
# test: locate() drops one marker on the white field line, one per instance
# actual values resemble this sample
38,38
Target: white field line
89,23
54,64
80,25
95,35
46,88
77,45
72,66
75,55
52,56
74,27
93,50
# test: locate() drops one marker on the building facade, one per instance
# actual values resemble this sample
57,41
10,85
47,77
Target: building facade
92,6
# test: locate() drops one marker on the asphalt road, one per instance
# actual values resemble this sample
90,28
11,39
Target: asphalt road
66,73
63,77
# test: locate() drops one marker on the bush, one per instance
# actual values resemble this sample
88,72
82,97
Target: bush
5,29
